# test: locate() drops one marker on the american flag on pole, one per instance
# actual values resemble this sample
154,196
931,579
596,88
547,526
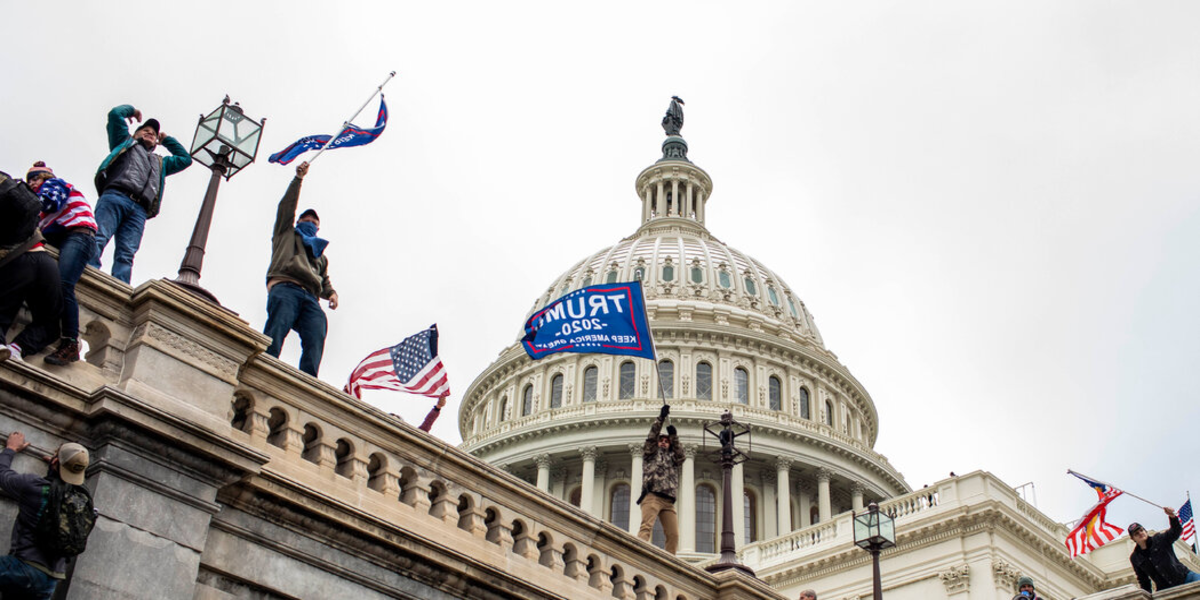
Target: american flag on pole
1185,518
1092,530
411,366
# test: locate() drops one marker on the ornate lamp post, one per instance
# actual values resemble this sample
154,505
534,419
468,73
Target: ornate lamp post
874,531
226,142
727,431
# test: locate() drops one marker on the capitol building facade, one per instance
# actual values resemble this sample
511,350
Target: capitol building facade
732,335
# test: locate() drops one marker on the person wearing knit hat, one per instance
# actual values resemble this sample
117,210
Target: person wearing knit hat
1025,589
31,570
28,275
130,182
67,223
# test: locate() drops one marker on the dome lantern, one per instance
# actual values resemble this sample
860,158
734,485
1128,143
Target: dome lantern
673,187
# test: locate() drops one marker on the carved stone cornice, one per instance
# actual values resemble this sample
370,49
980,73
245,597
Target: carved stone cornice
588,453
543,461
957,579
783,463
824,475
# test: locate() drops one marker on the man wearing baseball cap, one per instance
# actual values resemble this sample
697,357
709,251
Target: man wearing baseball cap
130,183
1154,557
30,571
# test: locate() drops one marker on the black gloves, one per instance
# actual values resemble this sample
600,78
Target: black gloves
666,410
670,430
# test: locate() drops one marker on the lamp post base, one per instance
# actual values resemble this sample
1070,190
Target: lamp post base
195,289
718,567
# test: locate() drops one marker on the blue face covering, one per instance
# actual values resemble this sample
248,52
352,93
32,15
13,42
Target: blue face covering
308,233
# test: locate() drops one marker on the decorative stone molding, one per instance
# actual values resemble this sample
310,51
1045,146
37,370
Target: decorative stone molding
588,453
635,450
173,341
824,475
783,463
857,488
689,451
957,579
1005,575
543,461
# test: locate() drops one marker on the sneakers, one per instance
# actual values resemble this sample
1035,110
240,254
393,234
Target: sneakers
67,353
12,351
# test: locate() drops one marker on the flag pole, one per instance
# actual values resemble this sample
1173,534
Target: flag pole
346,123
1130,494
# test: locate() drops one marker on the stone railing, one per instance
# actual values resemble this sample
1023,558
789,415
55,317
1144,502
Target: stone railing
331,469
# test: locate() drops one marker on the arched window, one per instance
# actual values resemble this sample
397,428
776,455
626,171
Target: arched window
666,378
527,401
706,519
775,393
590,375
556,391
814,516
619,506
741,380
704,381
750,517
829,413
503,414
628,383
576,495
805,412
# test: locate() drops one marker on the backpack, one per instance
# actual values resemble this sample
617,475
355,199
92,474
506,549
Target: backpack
66,519
19,209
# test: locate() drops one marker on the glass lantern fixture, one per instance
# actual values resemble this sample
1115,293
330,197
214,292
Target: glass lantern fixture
874,529
227,139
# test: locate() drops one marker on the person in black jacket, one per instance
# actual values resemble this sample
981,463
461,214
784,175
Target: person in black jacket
1154,558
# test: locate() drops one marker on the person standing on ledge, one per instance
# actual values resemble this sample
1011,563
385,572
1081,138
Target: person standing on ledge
297,277
1154,557
130,183
661,457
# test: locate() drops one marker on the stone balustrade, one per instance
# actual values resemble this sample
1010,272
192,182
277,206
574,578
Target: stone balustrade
282,485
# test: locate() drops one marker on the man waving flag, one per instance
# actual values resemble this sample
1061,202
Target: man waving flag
351,135
411,366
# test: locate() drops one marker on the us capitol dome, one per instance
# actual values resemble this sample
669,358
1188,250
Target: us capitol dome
731,335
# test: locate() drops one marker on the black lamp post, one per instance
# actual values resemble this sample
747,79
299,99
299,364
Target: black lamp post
727,431
874,531
226,142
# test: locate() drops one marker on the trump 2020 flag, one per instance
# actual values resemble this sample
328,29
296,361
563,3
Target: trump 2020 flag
351,135
598,319
411,366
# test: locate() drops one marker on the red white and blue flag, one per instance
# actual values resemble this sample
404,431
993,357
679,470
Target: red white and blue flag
599,319
411,366
1187,520
1092,531
351,135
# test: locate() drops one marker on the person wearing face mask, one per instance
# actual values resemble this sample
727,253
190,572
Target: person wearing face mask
130,183
297,278
1025,589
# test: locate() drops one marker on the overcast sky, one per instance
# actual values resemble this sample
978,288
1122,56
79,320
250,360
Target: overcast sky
991,208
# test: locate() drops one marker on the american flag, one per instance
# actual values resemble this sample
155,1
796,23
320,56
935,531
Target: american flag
1092,531
411,366
1185,517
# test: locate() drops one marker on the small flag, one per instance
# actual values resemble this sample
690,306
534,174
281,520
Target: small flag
598,319
1092,530
411,366
1189,523
352,135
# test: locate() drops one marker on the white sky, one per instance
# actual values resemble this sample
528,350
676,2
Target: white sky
991,208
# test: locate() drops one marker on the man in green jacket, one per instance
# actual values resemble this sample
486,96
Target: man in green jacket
130,183
297,277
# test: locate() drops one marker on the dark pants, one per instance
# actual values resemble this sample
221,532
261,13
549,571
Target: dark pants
117,215
19,581
291,308
31,278
75,249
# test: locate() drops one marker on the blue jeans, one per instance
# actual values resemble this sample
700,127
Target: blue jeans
290,307
1192,578
74,251
18,580
117,214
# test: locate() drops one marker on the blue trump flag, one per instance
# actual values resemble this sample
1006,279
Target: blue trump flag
351,135
599,319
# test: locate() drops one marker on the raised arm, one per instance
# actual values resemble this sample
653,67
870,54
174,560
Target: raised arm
179,159
118,128
285,218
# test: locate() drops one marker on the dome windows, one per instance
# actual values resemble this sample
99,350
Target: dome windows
668,272
741,380
639,273
619,506
775,393
556,391
502,414
527,401
724,279
772,296
805,411
792,306
703,381
706,519
829,413
590,375
628,381
611,277
751,288
666,378
697,274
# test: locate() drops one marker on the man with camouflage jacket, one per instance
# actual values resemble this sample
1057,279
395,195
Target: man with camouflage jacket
661,457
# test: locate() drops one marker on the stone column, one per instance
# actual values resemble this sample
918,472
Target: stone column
675,203
543,472
691,200
687,500
635,487
588,479
739,506
660,200
856,496
823,505
783,494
